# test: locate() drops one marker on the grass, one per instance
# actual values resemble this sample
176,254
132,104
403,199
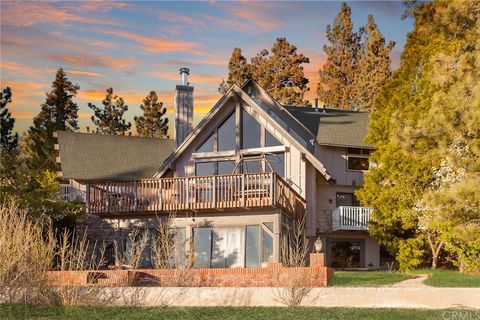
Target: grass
172,313
449,278
366,278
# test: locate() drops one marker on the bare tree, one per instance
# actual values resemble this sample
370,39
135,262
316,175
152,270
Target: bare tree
293,285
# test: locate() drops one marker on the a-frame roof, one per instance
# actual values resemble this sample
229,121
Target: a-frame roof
236,92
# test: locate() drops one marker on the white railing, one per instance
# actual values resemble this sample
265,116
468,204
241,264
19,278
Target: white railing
70,193
350,218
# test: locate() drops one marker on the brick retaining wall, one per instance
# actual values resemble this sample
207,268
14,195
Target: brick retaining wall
316,275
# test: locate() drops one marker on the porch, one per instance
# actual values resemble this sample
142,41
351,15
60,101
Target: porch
206,193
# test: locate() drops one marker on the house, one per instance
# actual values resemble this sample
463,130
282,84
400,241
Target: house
236,182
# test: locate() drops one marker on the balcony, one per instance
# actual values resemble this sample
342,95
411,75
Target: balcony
222,192
350,218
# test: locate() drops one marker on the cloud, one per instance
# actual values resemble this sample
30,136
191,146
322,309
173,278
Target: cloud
154,45
96,96
29,13
19,69
84,73
95,60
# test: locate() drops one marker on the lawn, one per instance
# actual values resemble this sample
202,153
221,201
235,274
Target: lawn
105,313
449,278
366,278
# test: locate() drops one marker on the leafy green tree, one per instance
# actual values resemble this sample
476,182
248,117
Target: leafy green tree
152,124
8,140
59,113
373,66
425,126
337,77
109,119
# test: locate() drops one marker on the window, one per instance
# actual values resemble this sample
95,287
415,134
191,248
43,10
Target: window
204,168
345,254
226,134
202,242
267,250
270,140
225,167
347,199
251,131
228,247
252,248
207,146
365,152
357,163
277,163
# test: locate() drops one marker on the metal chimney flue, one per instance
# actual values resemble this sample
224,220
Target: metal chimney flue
316,104
184,72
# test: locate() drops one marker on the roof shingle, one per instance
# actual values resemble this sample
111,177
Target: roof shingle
334,127
85,156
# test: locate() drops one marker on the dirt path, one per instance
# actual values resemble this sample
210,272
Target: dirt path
416,282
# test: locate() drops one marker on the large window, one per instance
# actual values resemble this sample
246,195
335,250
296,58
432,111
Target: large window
253,135
345,254
226,134
227,247
202,242
232,247
251,131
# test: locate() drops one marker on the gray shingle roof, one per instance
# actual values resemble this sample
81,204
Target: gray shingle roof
334,127
85,156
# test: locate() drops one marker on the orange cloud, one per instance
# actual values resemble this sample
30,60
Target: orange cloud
98,95
154,45
84,73
29,13
82,60
19,69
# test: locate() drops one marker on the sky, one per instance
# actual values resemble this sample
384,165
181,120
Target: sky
139,46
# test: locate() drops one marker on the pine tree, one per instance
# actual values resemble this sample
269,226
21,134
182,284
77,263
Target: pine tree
152,124
237,71
59,113
373,68
8,140
285,75
337,76
109,120
425,126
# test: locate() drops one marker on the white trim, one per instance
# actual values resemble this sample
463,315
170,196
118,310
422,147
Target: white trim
232,153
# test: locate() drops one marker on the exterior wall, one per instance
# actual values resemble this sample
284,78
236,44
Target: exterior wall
370,248
316,275
335,160
107,229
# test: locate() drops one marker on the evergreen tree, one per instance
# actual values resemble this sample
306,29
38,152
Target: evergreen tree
8,140
280,73
284,77
109,120
373,67
59,113
425,126
152,124
237,70
337,77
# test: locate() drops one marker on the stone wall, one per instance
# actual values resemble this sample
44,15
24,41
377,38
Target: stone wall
315,275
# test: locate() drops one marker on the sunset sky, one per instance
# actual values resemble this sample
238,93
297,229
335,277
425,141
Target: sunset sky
137,46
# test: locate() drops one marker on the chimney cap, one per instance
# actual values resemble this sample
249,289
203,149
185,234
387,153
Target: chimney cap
184,70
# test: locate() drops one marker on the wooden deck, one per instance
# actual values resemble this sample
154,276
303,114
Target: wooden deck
236,191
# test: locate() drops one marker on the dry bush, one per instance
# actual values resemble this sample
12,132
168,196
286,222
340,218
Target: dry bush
167,253
26,251
292,286
76,253
129,255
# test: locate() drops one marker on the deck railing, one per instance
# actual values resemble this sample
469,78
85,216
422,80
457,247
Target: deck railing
68,192
350,218
194,193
